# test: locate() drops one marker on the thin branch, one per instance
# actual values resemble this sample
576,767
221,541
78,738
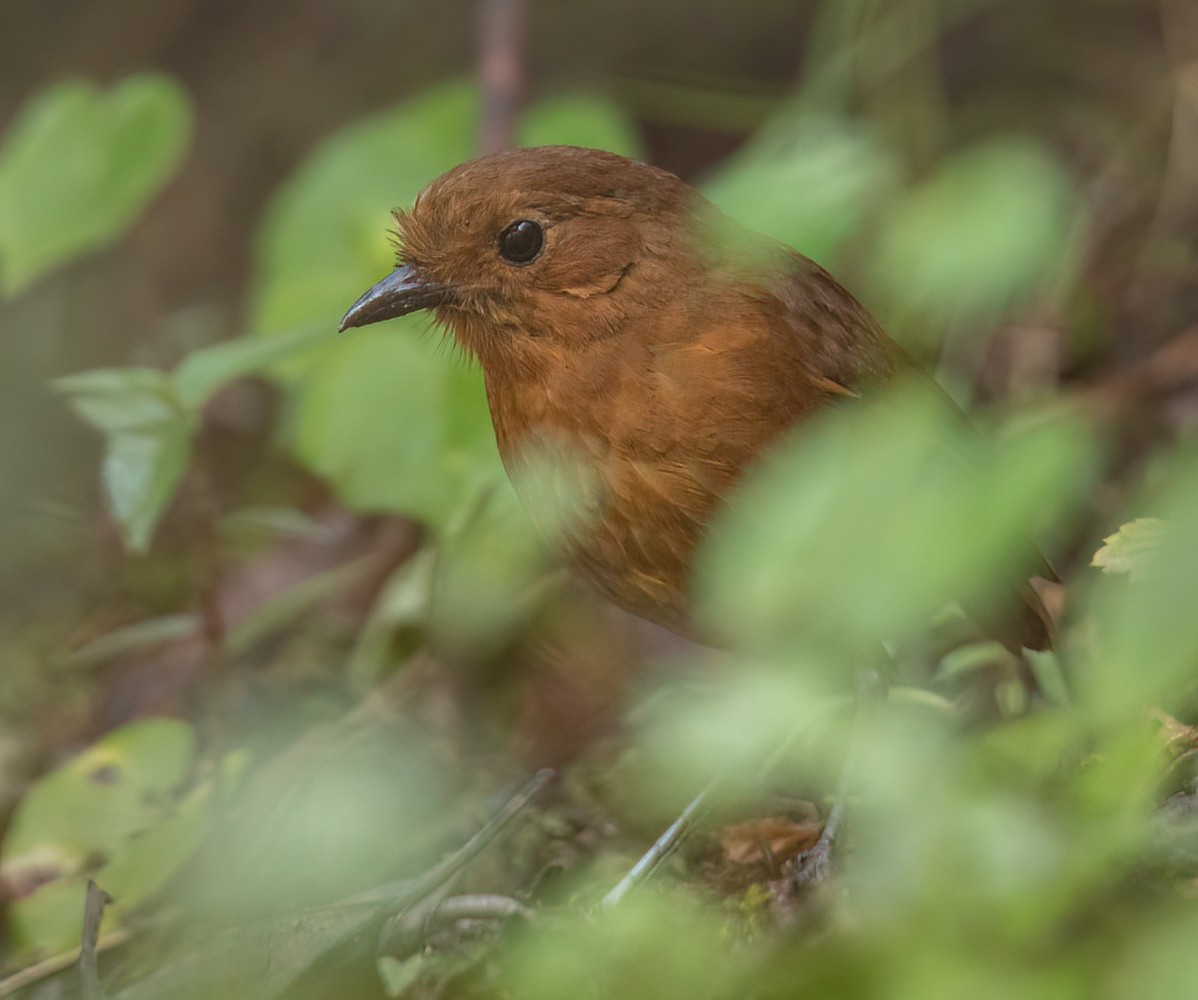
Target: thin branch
661,850
408,933
93,913
55,964
815,865
502,30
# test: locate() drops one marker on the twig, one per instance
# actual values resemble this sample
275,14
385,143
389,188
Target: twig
480,907
55,964
815,865
404,935
661,850
409,890
501,71
93,913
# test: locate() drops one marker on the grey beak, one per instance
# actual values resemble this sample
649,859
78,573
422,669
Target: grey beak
403,291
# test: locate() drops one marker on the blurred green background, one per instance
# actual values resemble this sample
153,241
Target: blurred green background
274,627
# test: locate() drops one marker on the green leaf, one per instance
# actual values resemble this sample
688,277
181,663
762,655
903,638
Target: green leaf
809,182
655,945
78,165
101,796
148,420
393,417
485,586
972,658
398,976
249,524
325,236
121,399
866,522
580,119
205,371
398,422
98,805
140,474
1131,549
988,231
133,638
1146,641
403,602
148,435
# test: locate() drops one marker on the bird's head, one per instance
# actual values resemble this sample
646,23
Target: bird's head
536,247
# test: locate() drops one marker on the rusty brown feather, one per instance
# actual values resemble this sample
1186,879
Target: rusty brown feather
617,313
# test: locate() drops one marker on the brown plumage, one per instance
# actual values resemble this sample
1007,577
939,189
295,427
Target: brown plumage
645,333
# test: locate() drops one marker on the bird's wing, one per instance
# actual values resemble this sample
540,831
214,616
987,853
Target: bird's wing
836,341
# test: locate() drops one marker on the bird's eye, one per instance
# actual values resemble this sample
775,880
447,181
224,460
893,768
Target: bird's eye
521,242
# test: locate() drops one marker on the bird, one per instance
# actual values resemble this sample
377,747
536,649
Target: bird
621,319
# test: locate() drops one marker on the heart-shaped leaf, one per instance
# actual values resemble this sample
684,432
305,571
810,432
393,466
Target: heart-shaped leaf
391,416
77,166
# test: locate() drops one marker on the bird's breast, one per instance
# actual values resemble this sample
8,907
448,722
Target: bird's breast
642,475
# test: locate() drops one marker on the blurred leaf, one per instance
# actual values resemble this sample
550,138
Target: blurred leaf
768,721
1160,961
304,953
396,422
1145,647
580,119
491,568
810,182
1115,794
901,695
121,399
79,163
394,418
660,946
1050,677
484,587
403,602
1130,549
949,828
325,236
989,230
147,435
148,419
131,638
254,523
141,472
205,371
100,796
861,527
972,658
398,976
101,805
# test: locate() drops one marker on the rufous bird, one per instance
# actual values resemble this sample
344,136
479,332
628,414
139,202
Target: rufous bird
617,313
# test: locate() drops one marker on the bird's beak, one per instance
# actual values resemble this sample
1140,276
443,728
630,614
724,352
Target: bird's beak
401,292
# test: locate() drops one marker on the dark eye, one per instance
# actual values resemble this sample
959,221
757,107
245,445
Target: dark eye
521,242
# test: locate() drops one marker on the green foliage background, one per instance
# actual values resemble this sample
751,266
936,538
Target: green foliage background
1028,856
